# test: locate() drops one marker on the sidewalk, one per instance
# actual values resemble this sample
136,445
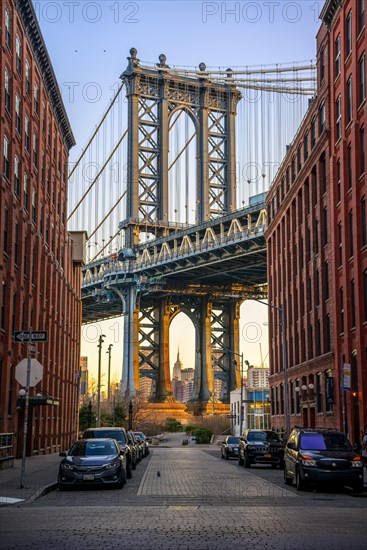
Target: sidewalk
40,478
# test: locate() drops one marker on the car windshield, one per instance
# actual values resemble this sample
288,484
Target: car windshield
262,436
325,442
113,434
141,435
93,448
233,440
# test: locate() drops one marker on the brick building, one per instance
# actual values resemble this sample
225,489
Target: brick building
316,240
39,260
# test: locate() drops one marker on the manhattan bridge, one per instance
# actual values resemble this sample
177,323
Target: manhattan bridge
158,189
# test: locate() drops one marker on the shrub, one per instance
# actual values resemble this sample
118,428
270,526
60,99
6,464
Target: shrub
203,435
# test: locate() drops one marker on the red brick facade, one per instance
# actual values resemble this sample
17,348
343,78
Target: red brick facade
317,250
39,284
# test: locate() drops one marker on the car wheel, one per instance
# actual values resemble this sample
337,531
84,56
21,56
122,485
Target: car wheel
121,481
240,460
358,488
222,455
247,461
287,480
128,470
226,456
274,466
133,465
300,484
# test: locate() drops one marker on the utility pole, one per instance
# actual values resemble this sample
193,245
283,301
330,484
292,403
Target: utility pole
109,377
99,346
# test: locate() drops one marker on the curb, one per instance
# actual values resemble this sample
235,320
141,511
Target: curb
42,491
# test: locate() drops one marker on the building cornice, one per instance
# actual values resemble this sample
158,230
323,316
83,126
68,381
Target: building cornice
330,10
38,46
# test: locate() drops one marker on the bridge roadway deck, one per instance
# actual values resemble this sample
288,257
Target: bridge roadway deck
198,501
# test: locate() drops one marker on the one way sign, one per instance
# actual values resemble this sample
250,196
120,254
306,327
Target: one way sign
24,336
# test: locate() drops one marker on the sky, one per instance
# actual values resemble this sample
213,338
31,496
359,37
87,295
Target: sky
88,43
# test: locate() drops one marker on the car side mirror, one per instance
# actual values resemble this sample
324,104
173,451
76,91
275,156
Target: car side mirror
62,453
291,446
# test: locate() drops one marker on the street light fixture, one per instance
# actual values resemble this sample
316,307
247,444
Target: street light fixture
99,346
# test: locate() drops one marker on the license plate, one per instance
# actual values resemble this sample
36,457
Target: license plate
88,477
267,456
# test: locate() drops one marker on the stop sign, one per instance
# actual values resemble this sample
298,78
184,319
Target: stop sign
36,373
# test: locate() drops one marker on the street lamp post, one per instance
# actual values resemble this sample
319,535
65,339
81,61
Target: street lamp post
109,376
99,346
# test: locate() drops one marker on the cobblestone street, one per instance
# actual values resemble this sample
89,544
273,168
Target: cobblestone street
198,501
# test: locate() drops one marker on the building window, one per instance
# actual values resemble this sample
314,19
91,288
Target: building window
6,158
316,236
361,9
298,400
7,91
322,64
326,280
7,28
287,180
299,157
364,221
349,100
3,305
310,343
348,34
322,117
6,230
16,244
341,300
361,151
318,338
352,304
36,98
25,191
327,334
329,391
319,392
340,243
313,132
34,206
27,78
17,113
317,288
365,295
291,393
35,150
18,54
338,118
16,176
350,217
323,173
349,160
293,168
338,182
26,133
325,228
361,79
337,56
305,146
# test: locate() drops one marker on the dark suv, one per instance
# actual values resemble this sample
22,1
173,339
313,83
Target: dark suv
321,455
120,435
260,447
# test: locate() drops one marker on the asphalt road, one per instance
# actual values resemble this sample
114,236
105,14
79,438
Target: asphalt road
198,501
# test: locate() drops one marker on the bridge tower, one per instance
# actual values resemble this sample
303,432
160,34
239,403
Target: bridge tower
154,95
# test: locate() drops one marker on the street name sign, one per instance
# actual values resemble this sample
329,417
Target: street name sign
24,336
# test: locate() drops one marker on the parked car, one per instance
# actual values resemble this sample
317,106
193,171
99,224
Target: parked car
229,448
325,455
93,461
122,439
135,445
144,440
260,447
